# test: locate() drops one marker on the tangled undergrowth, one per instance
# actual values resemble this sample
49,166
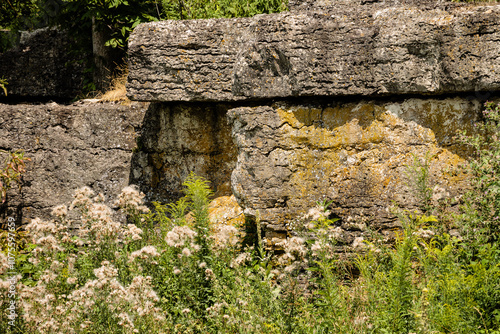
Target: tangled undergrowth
168,271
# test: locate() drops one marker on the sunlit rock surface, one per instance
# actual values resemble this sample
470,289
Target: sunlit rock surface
335,101
342,50
358,155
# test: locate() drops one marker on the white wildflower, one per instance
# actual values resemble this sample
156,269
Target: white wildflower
131,200
71,280
179,235
186,252
209,274
144,253
60,211
240,259
317,213
225,236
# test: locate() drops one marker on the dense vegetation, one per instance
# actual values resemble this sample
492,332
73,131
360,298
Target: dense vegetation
121,16
114,19
173,271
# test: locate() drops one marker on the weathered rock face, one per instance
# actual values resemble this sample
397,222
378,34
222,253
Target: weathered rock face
357,155
42,67
344,50
69,146
347,96
177,139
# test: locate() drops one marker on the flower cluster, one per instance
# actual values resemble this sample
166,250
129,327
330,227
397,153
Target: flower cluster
62,298
131,200
179,236
224,236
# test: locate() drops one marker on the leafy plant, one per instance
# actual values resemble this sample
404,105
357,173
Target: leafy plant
419,181
482,202
14,167
3,83
204,9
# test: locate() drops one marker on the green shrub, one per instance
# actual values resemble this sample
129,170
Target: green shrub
481,219
204,9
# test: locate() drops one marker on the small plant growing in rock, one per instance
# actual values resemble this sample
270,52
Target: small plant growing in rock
419,181
14,166
3,84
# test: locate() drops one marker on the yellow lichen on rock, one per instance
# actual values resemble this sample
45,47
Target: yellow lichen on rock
226,210
359,154
226,221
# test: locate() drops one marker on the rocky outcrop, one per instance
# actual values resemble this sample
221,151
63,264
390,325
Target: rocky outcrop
70,146
349,99
343,50
320,104
42,66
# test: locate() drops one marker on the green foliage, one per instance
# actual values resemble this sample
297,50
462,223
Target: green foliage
391,282
14,166
118,17
204,9
482,207
3,84
19,14
418,176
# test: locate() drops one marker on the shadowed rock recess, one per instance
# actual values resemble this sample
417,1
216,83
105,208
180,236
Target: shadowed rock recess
332,101
43,67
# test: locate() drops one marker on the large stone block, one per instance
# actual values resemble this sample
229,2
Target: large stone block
345,50
70,146
42,66
177,139
356,154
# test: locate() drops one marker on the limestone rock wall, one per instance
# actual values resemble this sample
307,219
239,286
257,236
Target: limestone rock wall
358,155
346,96
332,101
70,146
342,50
177,139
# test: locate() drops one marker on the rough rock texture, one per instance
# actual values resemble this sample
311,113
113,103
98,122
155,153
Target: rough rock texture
347,96
85,144
225,210
42,67
302,5
356,154
344,50
177,139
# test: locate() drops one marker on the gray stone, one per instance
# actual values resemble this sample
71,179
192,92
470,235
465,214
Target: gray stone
177,139
357,155
85,144
345,50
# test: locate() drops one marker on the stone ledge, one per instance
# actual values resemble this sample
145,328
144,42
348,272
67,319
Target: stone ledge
344,51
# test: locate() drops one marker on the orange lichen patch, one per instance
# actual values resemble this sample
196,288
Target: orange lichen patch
449,168
289,116
225,210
